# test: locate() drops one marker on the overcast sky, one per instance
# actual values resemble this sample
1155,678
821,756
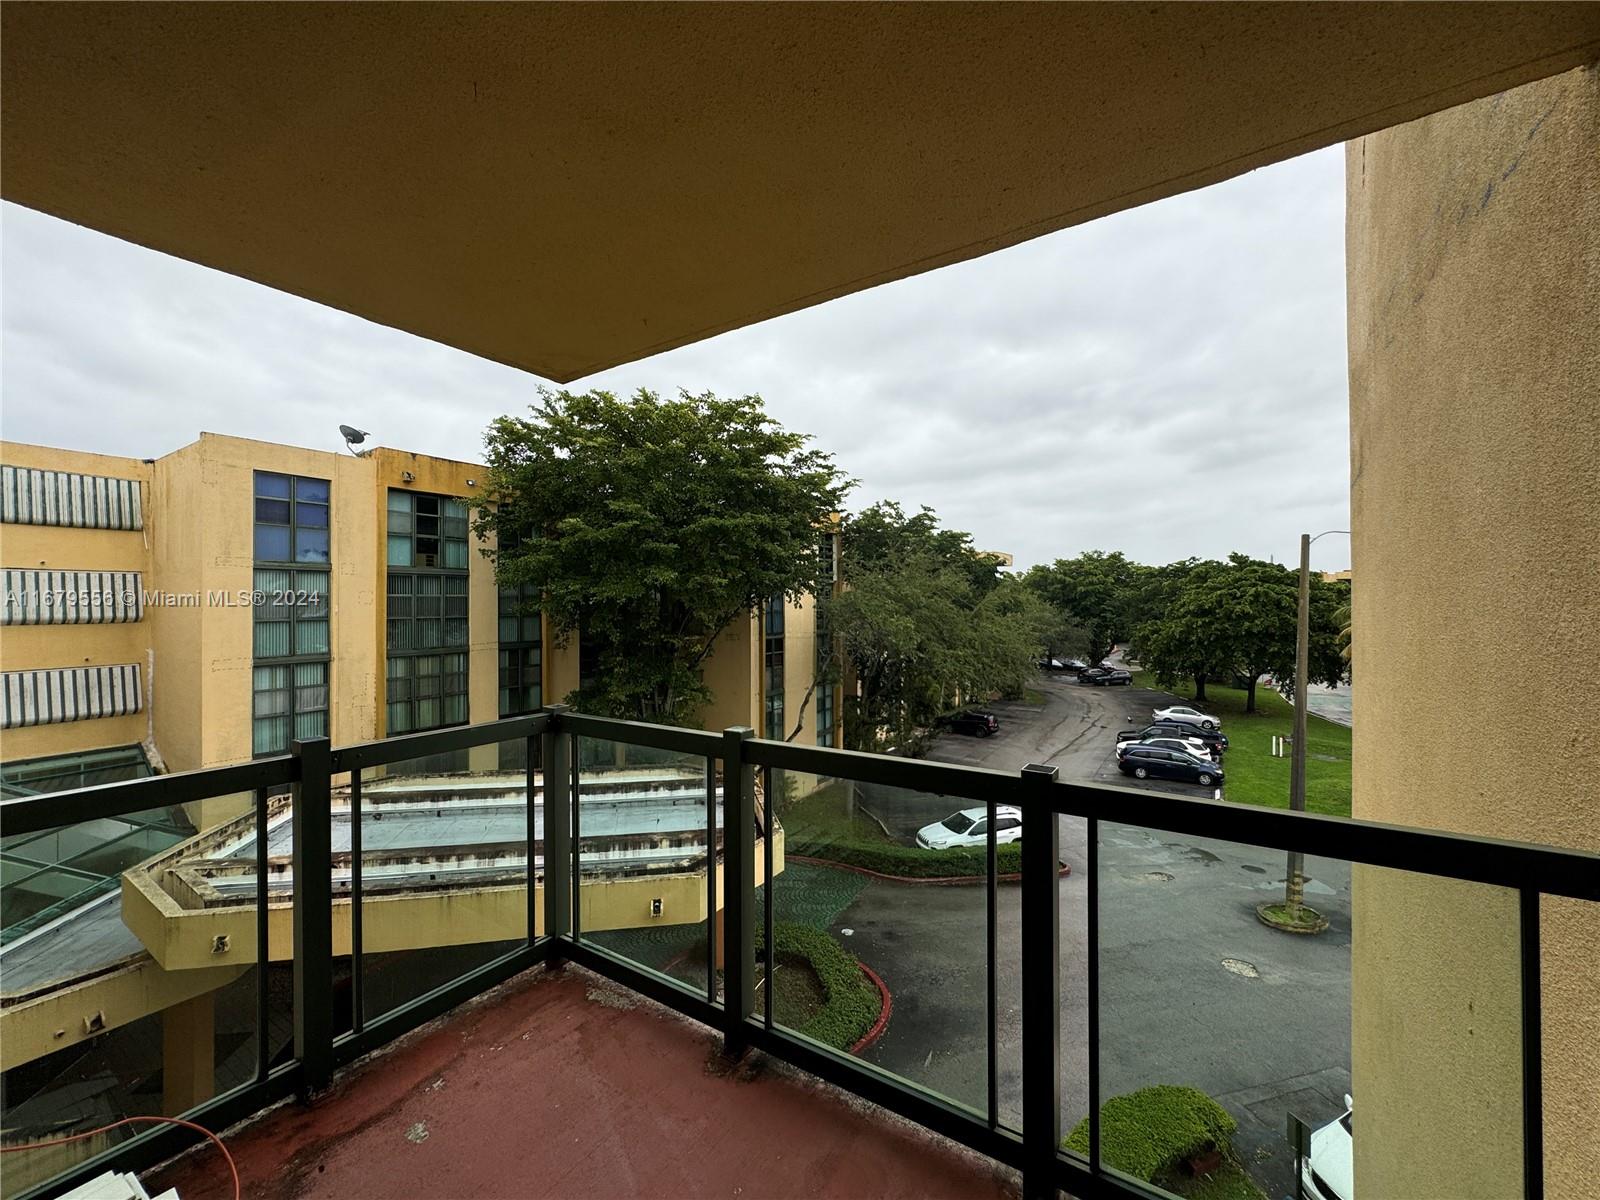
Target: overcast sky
1166,382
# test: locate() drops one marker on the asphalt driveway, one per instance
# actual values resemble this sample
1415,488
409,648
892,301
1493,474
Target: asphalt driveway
1194,989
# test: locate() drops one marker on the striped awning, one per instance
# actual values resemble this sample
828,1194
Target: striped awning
54,695
33,496
71,597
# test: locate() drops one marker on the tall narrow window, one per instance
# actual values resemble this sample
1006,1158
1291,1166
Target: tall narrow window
426,629
772,659
290,612
521,651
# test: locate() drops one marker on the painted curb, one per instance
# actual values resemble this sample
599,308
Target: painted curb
885,1010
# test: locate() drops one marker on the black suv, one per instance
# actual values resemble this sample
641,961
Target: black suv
1151,762
1104,676
971,722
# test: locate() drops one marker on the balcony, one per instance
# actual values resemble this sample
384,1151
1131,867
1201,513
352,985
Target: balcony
558,917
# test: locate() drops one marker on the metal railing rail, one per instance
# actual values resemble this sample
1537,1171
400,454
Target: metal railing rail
552,737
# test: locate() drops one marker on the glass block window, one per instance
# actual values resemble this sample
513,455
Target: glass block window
521,651
427,531
772,661
291,613
291,702
426,691
291,515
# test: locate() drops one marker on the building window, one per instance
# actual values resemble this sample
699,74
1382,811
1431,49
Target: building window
426,611
426,691
291,519
291,703
427,531
772,660
426,619
521,651
291,613
827,550
824,670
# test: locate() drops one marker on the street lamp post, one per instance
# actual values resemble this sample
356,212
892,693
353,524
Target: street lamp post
1294,893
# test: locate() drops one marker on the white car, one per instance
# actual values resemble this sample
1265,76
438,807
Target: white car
1180,712
970,827
1187,745
1328,1172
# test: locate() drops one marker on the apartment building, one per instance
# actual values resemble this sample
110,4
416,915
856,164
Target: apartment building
216,603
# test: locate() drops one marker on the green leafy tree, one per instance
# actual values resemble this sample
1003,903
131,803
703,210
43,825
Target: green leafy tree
1097,591
1178,636
651,525
923,620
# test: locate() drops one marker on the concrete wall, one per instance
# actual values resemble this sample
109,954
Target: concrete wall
1474,324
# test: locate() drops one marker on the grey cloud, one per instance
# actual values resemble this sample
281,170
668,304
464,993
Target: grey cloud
1167,381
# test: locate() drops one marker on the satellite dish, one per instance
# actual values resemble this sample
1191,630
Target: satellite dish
353,437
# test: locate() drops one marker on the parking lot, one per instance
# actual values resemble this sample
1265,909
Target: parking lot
1194,990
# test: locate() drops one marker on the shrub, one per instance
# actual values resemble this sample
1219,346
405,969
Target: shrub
851,1003
909,862
1146,1130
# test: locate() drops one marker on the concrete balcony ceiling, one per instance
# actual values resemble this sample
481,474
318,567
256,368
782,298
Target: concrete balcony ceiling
568,187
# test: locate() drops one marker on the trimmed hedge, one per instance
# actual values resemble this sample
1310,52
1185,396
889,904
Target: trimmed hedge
851,1003
910,862
1149,1129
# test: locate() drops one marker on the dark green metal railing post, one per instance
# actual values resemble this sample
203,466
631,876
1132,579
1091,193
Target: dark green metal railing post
1041,986
738,889
556,770
313,914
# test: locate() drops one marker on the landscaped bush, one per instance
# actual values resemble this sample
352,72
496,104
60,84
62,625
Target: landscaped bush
851,1003
1144,1131
909,862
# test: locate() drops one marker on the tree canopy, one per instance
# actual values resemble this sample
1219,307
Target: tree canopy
1236,619
651,524
1095,591
924,621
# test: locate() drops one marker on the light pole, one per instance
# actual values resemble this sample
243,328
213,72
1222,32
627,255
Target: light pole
1294,892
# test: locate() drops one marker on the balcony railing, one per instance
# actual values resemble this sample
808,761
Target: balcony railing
313,912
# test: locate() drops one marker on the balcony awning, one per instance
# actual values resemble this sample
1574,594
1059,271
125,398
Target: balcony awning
568,187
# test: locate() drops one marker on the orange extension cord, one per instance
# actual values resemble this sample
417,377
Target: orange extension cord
78,1137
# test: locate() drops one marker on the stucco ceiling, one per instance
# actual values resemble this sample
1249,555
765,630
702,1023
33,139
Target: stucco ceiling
568,187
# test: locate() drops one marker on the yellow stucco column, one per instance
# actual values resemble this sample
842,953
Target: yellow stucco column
1474,324
188,1053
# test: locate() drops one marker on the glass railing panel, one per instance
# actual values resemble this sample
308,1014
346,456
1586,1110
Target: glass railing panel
879,911
444,874
642,825
1228,1006
148,922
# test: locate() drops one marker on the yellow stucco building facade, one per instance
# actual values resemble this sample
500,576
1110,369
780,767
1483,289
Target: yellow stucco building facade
410,632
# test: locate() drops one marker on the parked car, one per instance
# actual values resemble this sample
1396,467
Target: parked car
1149,762
1211,737
1328,1172
1075,665
1182,712
1104,676
1192,746
970,827
972,722
1052,664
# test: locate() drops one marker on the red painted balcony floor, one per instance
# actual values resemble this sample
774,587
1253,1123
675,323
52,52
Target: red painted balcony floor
565,1085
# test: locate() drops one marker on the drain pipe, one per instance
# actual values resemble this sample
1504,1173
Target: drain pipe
149,747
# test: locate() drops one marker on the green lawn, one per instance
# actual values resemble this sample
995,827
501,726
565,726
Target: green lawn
822,816
1253,775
